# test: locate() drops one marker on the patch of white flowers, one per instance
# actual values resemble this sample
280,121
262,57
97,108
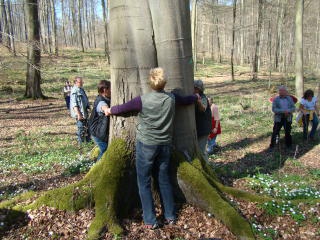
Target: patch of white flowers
265,184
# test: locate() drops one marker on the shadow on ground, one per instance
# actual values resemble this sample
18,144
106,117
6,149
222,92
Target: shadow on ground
264,161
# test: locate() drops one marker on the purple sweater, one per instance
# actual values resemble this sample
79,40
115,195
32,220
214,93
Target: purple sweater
135,105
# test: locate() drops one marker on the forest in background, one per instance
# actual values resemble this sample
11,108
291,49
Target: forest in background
84,24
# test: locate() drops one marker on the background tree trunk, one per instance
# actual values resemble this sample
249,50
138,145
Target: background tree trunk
33,89
54,27
12,36
80,6
5,25
194,33
255,63
106,43
233,36
63,23
299,48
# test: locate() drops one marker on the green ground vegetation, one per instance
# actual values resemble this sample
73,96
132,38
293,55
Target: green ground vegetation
246,122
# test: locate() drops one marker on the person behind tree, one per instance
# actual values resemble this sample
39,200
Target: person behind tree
215,127
66,93
99,122
154,132
203,118
308,106
283,107
79,107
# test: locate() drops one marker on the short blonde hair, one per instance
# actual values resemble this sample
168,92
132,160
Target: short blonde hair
157,79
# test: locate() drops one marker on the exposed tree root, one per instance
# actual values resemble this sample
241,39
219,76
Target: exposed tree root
198,190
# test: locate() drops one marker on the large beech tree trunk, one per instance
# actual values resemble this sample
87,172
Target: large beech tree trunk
147,34
33,89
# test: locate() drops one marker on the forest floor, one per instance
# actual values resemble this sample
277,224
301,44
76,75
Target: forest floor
38,151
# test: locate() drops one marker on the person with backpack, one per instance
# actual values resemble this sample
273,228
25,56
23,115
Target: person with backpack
98,121
203,118
79,110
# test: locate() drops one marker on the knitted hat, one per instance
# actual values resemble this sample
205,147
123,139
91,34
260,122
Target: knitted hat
199,84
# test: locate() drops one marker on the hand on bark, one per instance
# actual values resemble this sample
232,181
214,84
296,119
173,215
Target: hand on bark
107,112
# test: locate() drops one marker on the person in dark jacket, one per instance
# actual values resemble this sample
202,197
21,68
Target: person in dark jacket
99,122
203,118
156,111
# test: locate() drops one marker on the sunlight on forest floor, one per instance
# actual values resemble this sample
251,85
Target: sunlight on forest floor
37,137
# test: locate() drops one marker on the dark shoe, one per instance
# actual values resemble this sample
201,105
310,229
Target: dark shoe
152,226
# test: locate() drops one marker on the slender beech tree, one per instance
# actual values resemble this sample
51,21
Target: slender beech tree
233,35
80,9
54,32
299,48
255,62
147,34
63,23
194,32
6,30
106,43
33,89
11,32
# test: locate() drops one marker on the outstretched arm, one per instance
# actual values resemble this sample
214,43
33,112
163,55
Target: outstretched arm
187,100
134,105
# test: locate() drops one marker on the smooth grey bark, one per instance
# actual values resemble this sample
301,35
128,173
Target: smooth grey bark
299,48
25,21
194,28
242,32
33,89
86,23
12,36
106,42
54,27
5,24
269,50
234,14
47,8
63,23
73,11
80,3
255,63
93,25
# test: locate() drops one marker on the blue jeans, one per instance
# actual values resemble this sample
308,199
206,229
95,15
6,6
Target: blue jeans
211,145
147,158
315,122
83,131
102,146
67,98
202,143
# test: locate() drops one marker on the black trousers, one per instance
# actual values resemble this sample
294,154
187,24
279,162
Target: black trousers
276,130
